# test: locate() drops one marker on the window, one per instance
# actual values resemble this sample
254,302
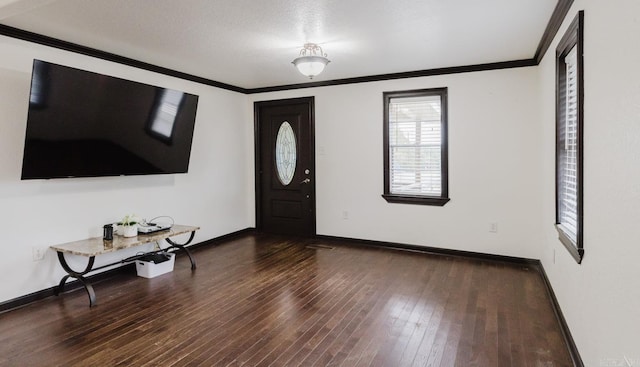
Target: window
415,147
569,138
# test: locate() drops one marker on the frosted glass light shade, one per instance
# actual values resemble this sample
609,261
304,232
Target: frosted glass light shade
310,65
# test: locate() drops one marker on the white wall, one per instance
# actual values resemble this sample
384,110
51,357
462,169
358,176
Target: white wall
215,194
601,297
493,163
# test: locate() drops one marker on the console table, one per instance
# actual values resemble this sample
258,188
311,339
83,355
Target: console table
93,247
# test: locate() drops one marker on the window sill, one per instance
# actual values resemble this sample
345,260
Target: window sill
576,253
416,200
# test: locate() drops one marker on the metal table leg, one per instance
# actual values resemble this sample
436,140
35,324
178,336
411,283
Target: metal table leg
78,275
182,247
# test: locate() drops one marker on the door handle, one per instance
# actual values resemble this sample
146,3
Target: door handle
305,181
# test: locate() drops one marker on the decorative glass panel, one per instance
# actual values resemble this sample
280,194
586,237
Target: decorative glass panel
286,153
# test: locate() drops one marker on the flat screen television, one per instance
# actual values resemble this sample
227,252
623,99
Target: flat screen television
85,124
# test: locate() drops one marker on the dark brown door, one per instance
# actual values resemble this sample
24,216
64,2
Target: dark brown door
285,170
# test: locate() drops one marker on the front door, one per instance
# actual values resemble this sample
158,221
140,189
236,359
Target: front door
285,169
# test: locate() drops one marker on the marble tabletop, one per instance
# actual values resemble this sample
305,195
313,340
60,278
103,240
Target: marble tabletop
97,246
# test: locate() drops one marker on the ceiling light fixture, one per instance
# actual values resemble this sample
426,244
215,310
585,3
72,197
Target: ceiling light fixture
311,60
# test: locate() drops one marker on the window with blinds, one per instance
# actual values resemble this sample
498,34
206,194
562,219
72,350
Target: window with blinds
415,146
569,138
568,151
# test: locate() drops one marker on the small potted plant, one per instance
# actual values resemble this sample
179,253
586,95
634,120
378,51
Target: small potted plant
129,225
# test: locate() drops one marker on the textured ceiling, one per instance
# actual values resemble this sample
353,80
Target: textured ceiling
251,43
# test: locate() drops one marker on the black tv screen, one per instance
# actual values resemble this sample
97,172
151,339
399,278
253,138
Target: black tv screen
85,124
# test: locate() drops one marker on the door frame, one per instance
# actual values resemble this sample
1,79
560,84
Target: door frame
310,101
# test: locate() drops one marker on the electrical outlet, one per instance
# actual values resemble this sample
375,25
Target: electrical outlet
493,227
38,253
345,215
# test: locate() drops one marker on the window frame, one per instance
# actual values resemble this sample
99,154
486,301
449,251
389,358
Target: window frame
444,159
574,37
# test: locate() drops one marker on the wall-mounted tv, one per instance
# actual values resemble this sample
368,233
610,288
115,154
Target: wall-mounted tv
85,124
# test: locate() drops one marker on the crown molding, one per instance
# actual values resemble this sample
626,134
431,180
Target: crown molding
40,39
559,13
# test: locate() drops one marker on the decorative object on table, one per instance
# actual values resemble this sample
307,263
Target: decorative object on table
129,225
107,232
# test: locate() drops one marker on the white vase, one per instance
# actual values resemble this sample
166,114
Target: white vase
130,231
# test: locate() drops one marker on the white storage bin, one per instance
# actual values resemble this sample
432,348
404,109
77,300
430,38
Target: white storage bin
150,269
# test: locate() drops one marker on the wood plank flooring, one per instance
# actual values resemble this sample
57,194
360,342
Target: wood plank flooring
265,300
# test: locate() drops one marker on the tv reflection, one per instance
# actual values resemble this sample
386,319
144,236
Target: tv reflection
164,114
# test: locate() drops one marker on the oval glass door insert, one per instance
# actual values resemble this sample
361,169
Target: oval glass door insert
286,153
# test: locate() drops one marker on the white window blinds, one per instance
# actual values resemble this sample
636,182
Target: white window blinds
568,151
415,145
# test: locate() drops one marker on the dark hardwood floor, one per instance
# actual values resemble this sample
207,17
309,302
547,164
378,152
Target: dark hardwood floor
264,300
